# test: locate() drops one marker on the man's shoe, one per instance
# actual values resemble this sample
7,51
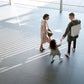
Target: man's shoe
67,54
73,49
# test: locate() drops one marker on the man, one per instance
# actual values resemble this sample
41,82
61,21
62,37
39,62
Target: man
68,33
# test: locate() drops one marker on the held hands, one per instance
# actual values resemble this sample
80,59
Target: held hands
61,39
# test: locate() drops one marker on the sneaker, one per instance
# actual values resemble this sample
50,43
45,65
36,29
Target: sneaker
52,61
61,58
67,54
73,49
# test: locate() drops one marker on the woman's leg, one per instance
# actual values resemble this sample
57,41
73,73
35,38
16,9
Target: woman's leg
41,47
48,39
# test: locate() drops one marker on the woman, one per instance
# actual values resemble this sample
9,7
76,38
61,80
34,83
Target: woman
44,30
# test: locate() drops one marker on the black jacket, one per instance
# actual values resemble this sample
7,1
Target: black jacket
68,30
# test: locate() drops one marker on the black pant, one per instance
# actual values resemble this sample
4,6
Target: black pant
69,45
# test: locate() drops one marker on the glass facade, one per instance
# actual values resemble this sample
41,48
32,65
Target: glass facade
67,5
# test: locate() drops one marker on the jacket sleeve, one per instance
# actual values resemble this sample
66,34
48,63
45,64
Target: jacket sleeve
67,30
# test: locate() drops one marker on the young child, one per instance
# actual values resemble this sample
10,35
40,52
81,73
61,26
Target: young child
55,50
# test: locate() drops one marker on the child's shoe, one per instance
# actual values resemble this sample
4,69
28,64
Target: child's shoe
61,58
52,61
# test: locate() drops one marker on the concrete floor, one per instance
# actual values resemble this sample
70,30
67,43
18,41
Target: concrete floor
21,62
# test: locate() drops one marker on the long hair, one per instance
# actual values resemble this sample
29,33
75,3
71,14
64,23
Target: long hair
53,44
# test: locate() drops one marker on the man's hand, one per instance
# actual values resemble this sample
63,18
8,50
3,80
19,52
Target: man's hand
61,39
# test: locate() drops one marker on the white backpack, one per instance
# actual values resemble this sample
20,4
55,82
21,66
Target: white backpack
75,30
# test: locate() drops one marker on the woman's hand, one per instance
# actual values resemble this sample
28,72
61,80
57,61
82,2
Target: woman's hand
48,38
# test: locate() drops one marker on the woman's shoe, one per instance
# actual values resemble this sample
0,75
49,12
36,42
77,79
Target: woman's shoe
43,48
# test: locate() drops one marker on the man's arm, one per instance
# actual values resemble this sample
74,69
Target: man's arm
66,31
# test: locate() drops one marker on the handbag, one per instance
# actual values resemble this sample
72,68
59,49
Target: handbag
50,33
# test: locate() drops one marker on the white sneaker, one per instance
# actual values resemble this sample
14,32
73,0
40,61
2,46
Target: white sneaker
67,54
61,58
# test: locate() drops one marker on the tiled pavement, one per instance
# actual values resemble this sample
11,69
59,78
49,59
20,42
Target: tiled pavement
21,62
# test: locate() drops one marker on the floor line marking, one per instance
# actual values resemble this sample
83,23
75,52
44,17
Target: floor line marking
18,65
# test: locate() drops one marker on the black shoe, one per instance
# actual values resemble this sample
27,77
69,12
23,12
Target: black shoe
42,49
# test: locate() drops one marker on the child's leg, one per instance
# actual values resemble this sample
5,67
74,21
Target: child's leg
59,55
60,58
52,59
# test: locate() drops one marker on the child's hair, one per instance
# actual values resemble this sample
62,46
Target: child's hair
53,44
45,15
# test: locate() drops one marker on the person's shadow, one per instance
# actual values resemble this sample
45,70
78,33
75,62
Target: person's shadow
52,72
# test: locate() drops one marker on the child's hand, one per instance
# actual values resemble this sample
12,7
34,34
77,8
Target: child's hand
60,43
61,39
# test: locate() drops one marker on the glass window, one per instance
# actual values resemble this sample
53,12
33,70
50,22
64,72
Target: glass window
73,5
49,4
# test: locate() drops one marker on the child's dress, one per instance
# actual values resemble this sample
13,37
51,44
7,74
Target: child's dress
55,51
